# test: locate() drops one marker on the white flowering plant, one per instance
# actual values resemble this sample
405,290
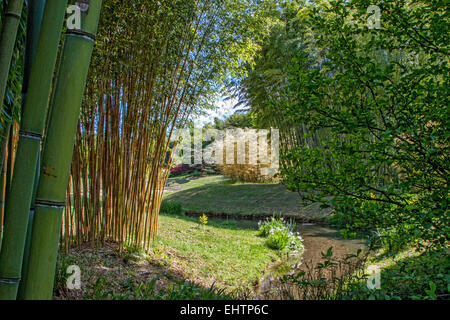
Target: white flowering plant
281,235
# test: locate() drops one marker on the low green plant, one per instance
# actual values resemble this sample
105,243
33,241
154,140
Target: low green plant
172,208
132,253
189,291
265,227
131,289
281,235
62,264
203,220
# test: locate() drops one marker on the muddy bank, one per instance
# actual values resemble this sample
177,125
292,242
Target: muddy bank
318,239
257,217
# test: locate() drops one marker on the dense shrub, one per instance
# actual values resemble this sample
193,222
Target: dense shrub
270,224
172,207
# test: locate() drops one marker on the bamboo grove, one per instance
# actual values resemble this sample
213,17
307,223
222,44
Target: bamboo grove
74,177
153,66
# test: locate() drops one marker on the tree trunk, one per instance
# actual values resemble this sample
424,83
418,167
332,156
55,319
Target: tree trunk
34,20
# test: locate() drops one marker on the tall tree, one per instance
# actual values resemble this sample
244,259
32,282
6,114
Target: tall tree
381,94
155,63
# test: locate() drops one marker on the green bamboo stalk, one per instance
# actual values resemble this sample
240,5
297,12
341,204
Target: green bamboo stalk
7,42
34,20
19,195
57,155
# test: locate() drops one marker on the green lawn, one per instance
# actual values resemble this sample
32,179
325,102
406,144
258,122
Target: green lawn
217,194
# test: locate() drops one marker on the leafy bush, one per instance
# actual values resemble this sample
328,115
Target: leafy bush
382,223
266,226
357,217
397,238
203,220
326,280
172,208
278,238
180,169
281,235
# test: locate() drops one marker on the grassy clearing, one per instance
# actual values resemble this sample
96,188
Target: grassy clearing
226,255
217,194
229,254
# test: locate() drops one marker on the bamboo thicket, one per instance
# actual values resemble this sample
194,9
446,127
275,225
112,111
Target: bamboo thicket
152,65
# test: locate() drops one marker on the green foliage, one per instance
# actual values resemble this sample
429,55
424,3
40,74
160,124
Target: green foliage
189,291
422,277
382,223
236,120
395,239
62,264
278,239
172,208
203,220
364,112
280,235
356,216
131,289
132,254
273,223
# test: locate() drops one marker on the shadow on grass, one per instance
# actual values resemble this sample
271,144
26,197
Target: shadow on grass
231,224
110,275
426,275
